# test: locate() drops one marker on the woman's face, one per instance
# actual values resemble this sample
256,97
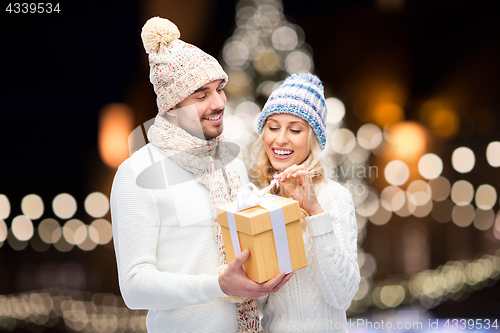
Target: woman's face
286,140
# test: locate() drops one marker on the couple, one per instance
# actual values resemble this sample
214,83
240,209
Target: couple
168,241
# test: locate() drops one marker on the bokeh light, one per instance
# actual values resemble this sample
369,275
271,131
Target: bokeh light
234,129
486,196
404,211
74,232
392,296
421,211
64,206
342,141
408,140
396,172
463,159
115,126
4,206
298,62
87,244
430,166
463,216
392,198
419,193
248,108
96,204
462,192
493,154
285,38
369,206
32,206
336,110
266,88
267,61
22,228
369,136
381,216
358,154
63,246
100,231
362,289
235,53
240,83
440,188
484,219
369,266
496,227
49,231
444,122
3,231
387,114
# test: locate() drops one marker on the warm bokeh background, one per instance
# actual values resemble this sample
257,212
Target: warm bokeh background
413,97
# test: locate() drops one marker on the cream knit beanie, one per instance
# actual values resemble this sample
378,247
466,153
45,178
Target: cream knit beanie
177,68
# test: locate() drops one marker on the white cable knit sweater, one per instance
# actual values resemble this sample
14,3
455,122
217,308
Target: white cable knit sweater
313,300
166,249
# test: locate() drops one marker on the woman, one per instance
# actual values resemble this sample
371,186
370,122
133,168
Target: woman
292,128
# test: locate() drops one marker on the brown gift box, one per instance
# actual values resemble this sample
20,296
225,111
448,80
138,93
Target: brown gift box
255,232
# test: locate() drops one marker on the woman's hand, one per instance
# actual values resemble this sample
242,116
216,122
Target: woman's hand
304,191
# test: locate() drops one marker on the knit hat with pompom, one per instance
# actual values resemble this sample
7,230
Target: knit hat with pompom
177,68
300,95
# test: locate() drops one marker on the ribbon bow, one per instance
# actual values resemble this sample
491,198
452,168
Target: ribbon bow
247,198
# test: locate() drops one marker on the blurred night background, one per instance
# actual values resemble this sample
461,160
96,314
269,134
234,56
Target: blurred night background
413,95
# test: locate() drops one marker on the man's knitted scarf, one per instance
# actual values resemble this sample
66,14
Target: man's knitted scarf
208,161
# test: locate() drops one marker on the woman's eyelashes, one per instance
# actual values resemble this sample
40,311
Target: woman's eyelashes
295,131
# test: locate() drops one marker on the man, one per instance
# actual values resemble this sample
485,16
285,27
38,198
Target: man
167,239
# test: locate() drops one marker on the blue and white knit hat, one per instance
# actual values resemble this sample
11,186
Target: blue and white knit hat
300,95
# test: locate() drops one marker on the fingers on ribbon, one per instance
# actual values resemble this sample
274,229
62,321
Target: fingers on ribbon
284,174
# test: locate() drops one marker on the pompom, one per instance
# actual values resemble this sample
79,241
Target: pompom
158,32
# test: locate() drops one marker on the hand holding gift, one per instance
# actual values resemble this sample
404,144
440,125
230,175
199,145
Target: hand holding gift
269,227
235,282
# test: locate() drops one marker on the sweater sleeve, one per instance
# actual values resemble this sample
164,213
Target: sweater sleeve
136,227
334,235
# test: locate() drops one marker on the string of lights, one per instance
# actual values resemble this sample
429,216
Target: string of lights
69,309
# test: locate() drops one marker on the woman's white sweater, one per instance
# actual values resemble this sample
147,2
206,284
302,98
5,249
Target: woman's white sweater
313,300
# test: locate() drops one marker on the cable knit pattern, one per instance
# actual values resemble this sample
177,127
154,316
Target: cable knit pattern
165,247
313,299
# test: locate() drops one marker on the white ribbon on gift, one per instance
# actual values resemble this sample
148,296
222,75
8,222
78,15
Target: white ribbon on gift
247,198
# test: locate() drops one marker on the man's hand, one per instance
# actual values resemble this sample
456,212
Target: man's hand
234,281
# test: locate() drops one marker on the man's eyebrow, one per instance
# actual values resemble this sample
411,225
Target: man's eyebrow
200,89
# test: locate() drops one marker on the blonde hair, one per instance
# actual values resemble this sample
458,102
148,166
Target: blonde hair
262,172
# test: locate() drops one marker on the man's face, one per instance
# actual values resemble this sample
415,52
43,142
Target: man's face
200,114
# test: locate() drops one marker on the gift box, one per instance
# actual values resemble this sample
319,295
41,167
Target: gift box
271,250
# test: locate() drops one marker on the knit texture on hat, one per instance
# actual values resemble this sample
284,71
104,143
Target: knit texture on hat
300,95
177,68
